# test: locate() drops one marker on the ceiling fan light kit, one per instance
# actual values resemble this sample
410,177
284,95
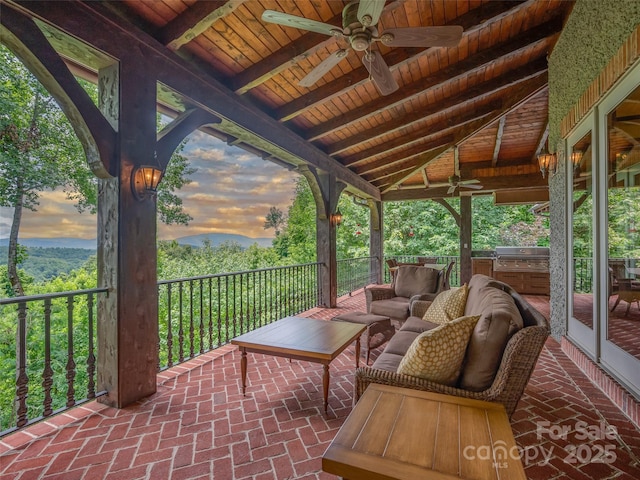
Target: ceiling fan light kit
359,21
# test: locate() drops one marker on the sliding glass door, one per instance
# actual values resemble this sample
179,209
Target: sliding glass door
620,121
581,241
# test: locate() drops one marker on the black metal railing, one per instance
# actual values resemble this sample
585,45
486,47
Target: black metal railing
45,340
353,274
583,274
199,314
47,337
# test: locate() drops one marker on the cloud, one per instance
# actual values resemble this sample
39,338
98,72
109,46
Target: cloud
231,192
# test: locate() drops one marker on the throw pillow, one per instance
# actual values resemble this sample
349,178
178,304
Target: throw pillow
437,354
447,306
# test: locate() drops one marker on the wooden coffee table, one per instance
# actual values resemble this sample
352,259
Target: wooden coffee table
299,338
401,434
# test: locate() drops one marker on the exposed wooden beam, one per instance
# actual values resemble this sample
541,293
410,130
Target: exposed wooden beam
194,21
486,13
401,173
542,139
171,135
525,92
97,136
490,86
496,148
415,143
444,135
469,171
450,209
425,178
463,68
118,37
524,181
289,56
383,167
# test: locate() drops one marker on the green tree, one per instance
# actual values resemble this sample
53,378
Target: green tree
274,219
297,242
39,151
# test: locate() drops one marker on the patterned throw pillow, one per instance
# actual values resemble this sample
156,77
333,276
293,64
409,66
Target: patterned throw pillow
447,306
437,354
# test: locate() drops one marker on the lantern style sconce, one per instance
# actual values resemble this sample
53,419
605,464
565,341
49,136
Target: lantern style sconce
547,162
145,181
576,158
336,218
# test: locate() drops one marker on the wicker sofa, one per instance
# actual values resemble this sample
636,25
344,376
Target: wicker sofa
410,283
500,357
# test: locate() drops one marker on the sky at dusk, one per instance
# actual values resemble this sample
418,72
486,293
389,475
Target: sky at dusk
231,192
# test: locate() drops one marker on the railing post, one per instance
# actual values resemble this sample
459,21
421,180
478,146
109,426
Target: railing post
22,380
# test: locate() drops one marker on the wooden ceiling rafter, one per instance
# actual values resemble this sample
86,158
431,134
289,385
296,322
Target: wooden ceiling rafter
222,57
496,148
289,55
373,158
488,87
482,59
385,163
470,21
194,21
530,89
525,180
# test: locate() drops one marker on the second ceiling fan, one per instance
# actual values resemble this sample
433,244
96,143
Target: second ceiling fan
359,21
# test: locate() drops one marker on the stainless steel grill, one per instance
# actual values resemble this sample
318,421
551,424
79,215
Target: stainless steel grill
521,259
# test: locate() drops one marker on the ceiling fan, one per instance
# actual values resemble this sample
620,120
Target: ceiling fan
359,19
455,182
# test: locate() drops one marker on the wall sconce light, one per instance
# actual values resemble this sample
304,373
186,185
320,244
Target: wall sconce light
336,218
145,181
576,158
547,162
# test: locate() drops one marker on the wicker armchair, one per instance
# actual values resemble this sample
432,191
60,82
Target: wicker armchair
517,364
390,301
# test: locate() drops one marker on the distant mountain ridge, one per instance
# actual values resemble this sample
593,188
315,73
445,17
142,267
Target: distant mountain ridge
216,239
62,242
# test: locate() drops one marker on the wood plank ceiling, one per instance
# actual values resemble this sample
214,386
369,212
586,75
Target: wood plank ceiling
478,109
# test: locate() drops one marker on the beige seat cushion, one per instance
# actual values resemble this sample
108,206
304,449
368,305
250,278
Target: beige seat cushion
396,307
412,280
447,306
437,354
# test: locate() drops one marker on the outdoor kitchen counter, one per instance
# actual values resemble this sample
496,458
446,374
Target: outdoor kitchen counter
526,269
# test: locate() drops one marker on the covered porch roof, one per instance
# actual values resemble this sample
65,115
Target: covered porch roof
475,110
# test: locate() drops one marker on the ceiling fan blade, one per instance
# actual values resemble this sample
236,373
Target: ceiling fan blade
443,36
380,72
287,20
323,67
467,182
451,189
474,187
369,11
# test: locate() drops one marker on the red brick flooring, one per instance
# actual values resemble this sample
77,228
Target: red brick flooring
198,425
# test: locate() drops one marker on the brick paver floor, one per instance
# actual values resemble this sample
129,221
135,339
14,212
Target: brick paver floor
199,426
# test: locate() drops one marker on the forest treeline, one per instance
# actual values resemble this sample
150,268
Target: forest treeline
410,228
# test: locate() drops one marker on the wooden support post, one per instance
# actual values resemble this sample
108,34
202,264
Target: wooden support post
326,193
128,316
465,238
376,240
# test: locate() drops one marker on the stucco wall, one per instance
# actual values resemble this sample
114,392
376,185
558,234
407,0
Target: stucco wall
593,33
